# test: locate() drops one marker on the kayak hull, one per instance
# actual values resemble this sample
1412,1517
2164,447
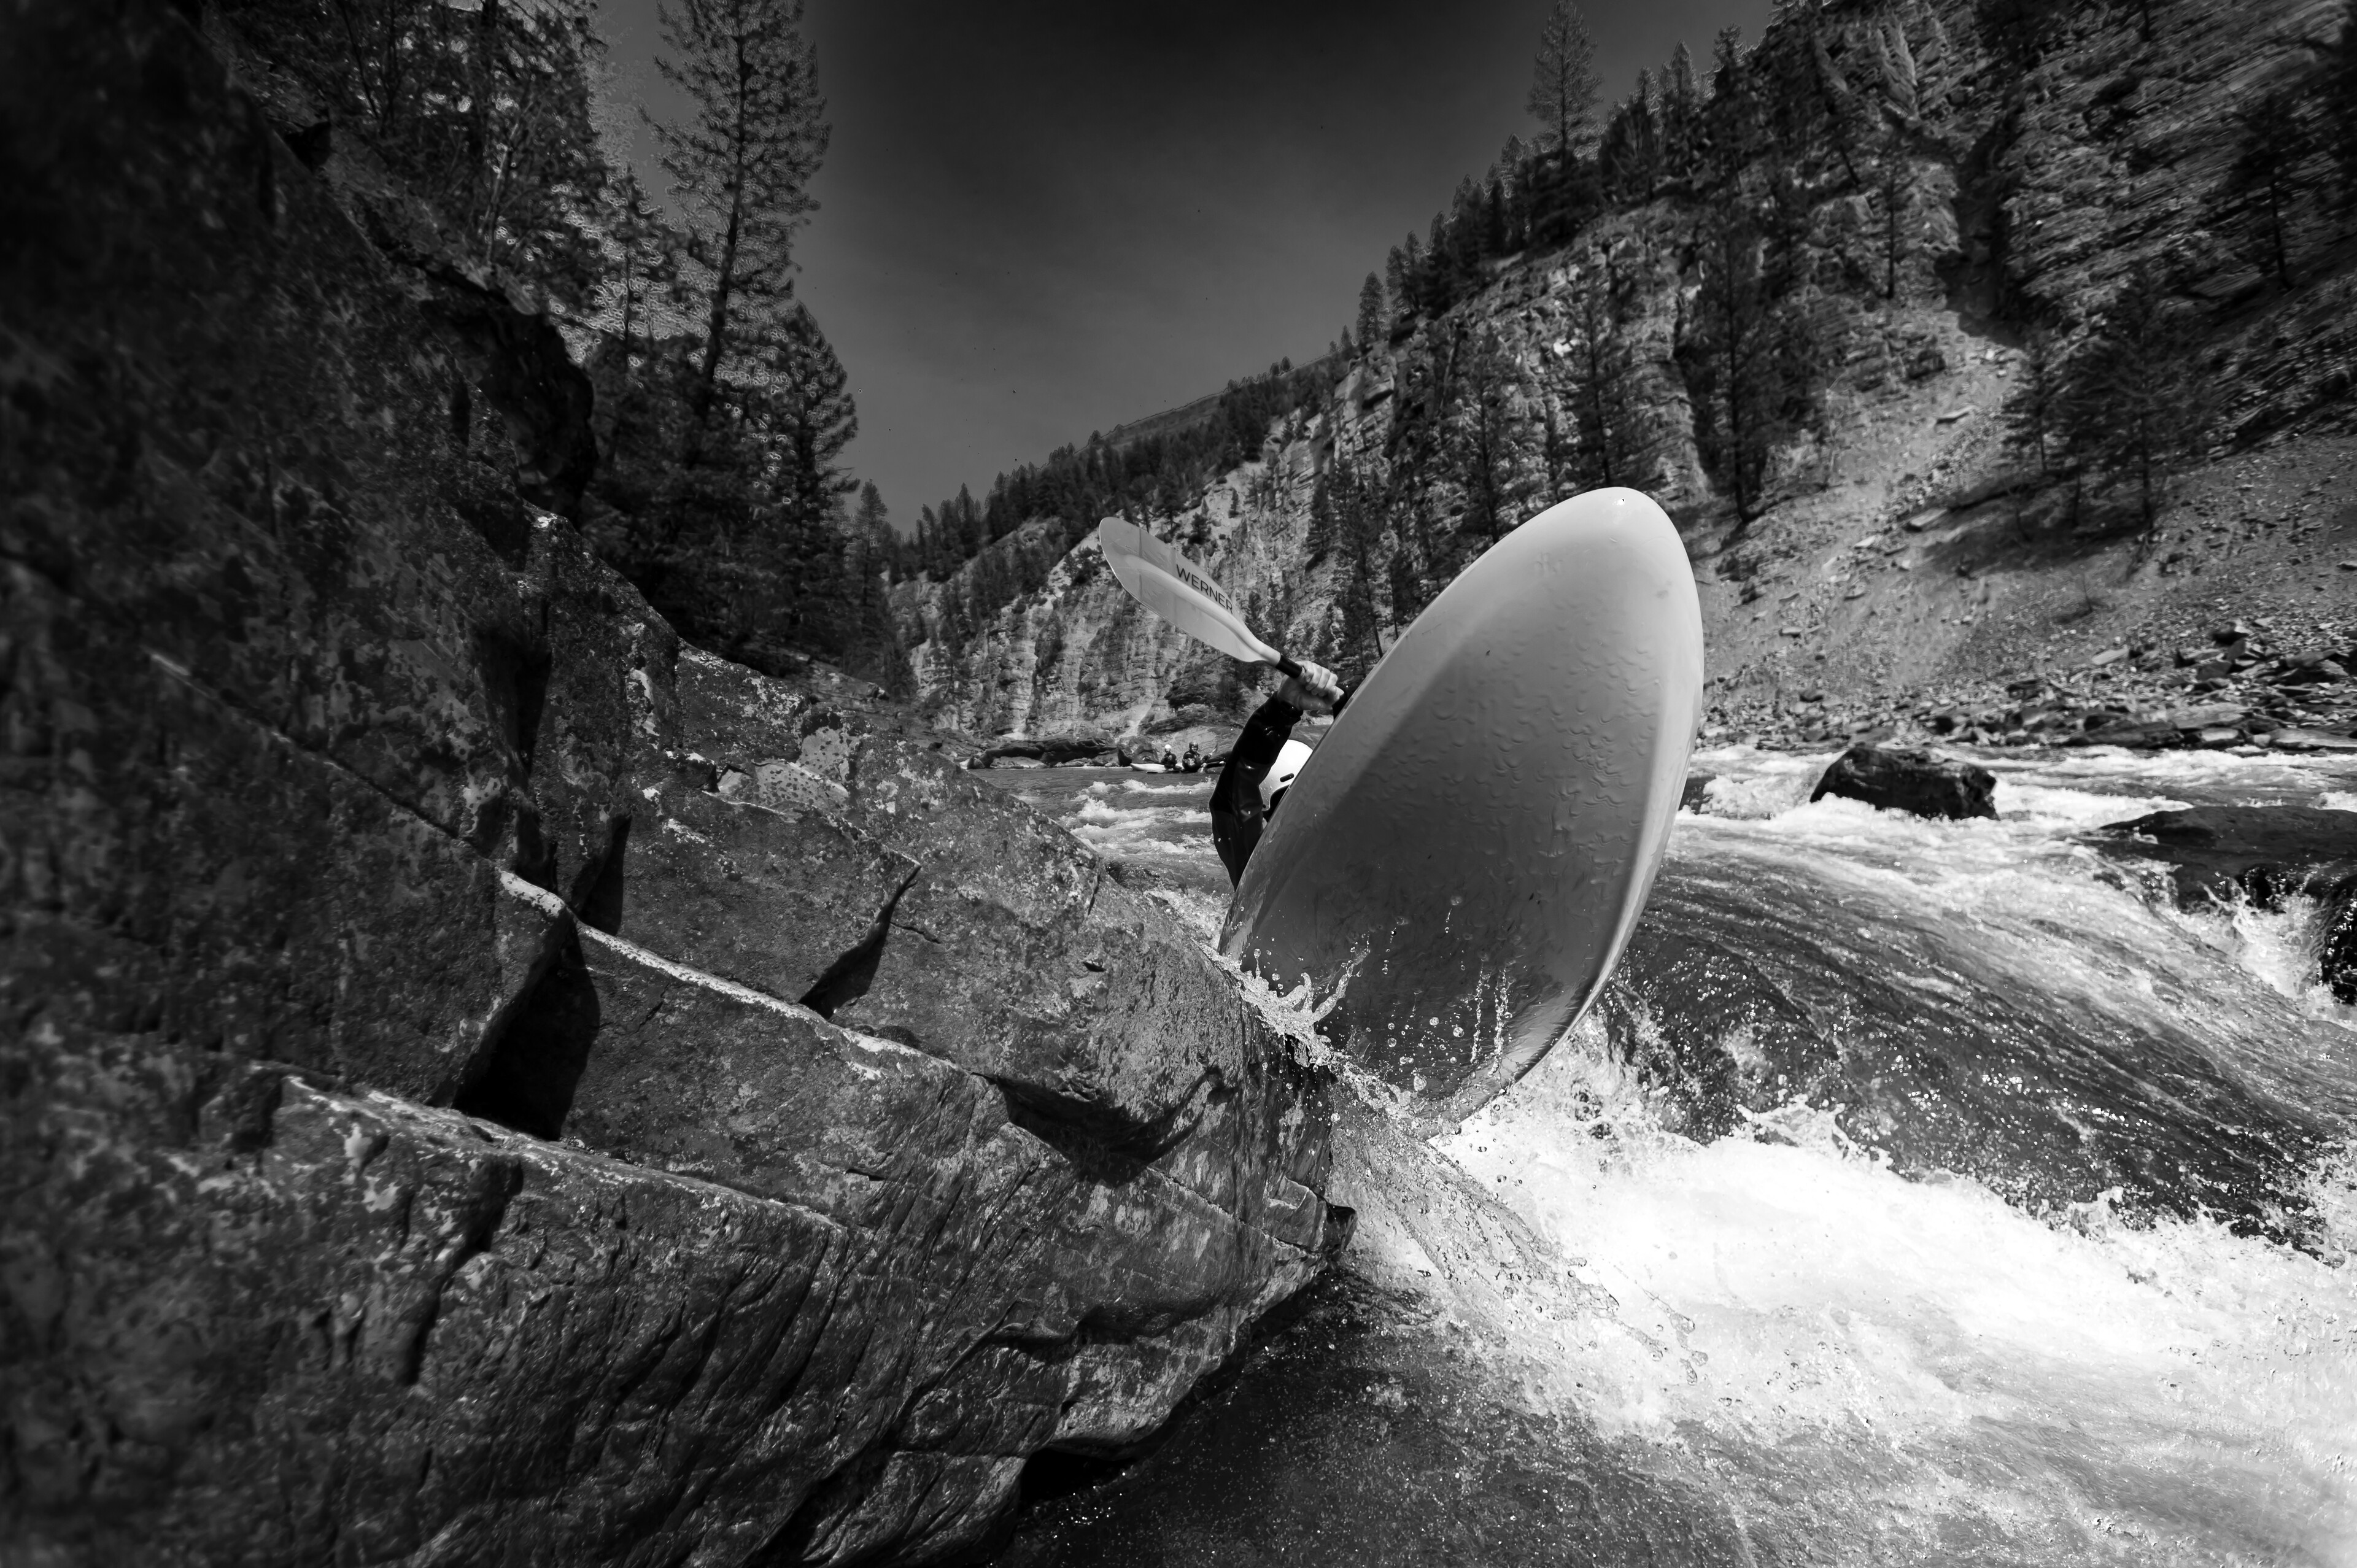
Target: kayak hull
1465,852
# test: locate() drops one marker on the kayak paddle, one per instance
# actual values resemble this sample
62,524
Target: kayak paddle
1183,594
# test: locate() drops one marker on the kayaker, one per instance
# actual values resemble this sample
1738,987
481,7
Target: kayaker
1262,762
1193,763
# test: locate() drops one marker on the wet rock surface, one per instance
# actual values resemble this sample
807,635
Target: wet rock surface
2258,852
2260,855
1355,1438
480,1080
1903,779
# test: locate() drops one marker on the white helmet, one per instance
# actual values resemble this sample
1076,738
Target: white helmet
1280,775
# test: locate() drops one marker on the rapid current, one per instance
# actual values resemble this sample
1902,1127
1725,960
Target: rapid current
1921,1192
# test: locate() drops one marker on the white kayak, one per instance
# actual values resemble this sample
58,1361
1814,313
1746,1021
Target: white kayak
1467,849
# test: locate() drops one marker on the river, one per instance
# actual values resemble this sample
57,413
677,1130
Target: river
1922,1192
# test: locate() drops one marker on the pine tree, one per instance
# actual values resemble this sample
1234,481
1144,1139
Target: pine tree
802,404
1469,233
1484,434
1732,117
1730,355
1680,117
532,166
1628,157
1892,204
2264,182
871,526
742,165
930,557
1411,583
1318,538
1512,177
482,113
973,534
1563,78
2129,401
1559,455
1357,529
2033,410
1615,432
1439,290
1373,315
1849,120
642,261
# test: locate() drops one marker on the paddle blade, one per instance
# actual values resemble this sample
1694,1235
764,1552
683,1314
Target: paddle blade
1178,591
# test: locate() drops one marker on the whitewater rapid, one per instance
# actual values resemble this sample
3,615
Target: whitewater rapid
1924,1192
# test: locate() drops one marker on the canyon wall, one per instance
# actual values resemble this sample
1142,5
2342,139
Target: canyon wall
480,1081
1903,553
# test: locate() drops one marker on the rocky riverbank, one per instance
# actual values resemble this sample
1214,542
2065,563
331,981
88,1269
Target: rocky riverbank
2239,686
481,1081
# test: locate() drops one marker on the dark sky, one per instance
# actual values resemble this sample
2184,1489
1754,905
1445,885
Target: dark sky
1041,218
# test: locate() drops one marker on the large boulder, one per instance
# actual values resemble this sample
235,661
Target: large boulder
478,1081
1904,779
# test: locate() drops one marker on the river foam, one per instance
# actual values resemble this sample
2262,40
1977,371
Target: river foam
1781,1310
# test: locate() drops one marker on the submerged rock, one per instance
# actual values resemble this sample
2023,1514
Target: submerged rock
1738,998
1906,778
482,1081
2259,852
2262,855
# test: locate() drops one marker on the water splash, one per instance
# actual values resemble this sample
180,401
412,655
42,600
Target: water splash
1787,1290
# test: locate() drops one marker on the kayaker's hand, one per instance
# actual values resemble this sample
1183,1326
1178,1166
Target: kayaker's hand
1313,690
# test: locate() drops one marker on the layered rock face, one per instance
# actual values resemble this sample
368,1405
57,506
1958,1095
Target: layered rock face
480,1080
1903,550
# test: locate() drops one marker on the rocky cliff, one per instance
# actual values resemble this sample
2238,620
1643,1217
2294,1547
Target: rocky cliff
1904,558
480,1080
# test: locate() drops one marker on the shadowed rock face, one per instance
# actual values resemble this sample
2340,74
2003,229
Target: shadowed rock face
480,1082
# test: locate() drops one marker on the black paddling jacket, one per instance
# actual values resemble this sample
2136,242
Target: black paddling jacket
1237,816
